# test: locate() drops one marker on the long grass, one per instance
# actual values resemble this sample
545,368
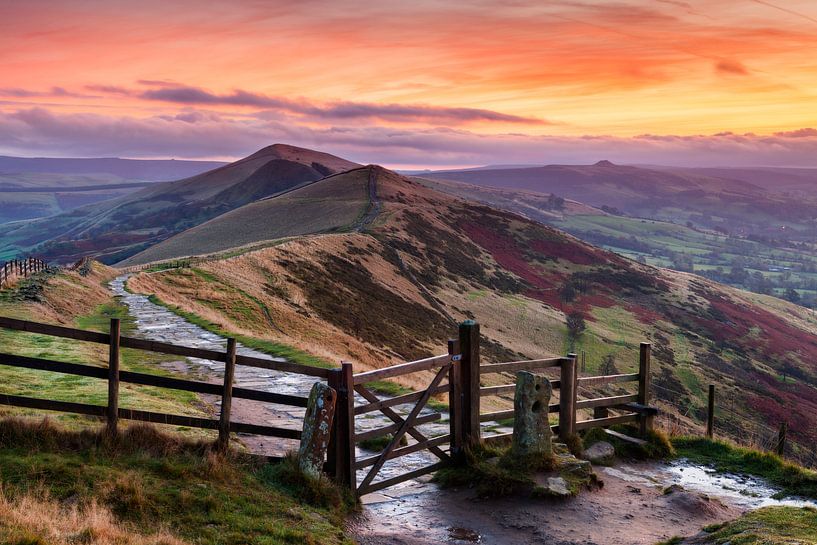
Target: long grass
149,480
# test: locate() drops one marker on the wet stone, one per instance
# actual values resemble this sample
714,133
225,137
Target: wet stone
317,429
531,429
599,453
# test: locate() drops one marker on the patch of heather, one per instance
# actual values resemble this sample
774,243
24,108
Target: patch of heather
587,302
574,252
777,337
505,250
785,402
643,314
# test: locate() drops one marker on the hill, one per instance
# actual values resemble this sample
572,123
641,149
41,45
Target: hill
771,265
155,170
116,229
714,202
428,260
330,204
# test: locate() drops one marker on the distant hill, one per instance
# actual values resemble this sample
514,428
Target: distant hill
154,170
116,229
35,187
741,205
772,179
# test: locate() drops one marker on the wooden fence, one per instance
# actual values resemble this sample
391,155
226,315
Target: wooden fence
343,463
20,268
463,371
631,407
456,374
112,412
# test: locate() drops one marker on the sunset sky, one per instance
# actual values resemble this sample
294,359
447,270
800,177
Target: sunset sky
414,84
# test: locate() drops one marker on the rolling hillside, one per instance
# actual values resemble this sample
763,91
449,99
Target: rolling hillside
733,205
330,204
428,260
116,229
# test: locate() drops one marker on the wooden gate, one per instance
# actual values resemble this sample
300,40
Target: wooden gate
345,464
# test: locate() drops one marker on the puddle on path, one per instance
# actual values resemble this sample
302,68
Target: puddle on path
739,490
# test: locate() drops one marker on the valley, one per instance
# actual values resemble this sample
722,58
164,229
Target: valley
772,255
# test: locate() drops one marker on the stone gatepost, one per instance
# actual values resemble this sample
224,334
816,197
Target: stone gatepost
531,427
317,428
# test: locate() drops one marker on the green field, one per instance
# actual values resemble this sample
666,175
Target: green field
761,267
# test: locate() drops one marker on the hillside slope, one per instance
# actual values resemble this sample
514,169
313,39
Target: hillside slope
333,203
115,229
429,260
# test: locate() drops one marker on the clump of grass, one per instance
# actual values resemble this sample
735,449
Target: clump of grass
794,480
320,492
393,389
39,520
376,444
767,526
43,435
574,445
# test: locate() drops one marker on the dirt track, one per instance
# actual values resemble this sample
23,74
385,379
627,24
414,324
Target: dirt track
626,511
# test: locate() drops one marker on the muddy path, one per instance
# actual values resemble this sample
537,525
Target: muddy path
632,508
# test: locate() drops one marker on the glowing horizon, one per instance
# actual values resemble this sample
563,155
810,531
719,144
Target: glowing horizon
430,84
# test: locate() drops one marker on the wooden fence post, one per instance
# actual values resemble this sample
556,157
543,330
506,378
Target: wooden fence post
227,397
342,443
567,398
469,376
781,438
710,415
645,421
113,377
455,399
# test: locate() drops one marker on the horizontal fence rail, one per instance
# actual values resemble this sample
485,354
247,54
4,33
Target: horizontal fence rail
112,412
634,407
160,347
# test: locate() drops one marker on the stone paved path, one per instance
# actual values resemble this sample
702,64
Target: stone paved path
157,323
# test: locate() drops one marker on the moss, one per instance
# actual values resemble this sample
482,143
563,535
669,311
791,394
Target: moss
494,472
671,541
793,479
376,444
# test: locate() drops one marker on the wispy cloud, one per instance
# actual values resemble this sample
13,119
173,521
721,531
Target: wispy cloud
731,67
187,95
195,134
53,92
